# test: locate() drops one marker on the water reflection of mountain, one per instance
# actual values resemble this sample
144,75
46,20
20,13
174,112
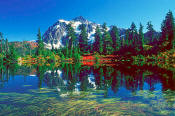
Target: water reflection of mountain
132,78
76,77
146,88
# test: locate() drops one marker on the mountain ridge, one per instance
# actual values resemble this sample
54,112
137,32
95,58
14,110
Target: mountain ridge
55,35
57,32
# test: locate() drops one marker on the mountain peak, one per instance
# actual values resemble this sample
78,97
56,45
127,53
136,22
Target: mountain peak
80,18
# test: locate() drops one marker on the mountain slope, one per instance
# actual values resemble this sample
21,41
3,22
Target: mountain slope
56,34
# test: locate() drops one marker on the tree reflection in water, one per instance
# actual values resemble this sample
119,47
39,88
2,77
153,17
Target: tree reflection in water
133,86
131,77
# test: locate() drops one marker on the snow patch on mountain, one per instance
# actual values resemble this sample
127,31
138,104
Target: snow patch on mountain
56,35
76,25
56,27
64,21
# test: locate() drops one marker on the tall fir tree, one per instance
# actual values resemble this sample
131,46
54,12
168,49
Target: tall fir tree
141,36
71,36
40,47
107,46
6,46
12,55
1,37
83,39
133,37
133,27
128,38
98,43
168,30
115,38
151,31
67,49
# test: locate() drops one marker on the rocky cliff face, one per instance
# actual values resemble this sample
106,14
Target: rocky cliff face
56,34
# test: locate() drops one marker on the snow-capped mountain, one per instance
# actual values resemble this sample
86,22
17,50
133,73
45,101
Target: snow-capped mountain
56,33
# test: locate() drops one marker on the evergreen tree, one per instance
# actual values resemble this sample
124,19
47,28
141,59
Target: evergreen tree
98,44
115,38
104,27
132,42
40,47
71,35
141,36
83,39
151,31
6,46
133,27
1,37
168,30
12,55
107,46
133,34
67,49
108,43
128,39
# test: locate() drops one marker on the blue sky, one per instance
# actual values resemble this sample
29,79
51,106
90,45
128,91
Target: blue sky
20,19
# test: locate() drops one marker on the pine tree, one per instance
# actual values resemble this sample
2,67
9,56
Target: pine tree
104,27
83,39
128,39
12,55
40,48
67,50
108,43
107,46
151,31
6,46
132,41
132,44
133,27
133,33
1,37
141,36
115,38
71,35
98,44
168,30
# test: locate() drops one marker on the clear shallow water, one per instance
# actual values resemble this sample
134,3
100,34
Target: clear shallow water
75,89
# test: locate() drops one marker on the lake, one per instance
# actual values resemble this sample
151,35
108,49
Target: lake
83,89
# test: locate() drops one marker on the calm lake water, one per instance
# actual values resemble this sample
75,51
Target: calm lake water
78,90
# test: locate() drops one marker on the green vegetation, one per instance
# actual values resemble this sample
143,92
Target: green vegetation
133,44
83,40
7,52
80,79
